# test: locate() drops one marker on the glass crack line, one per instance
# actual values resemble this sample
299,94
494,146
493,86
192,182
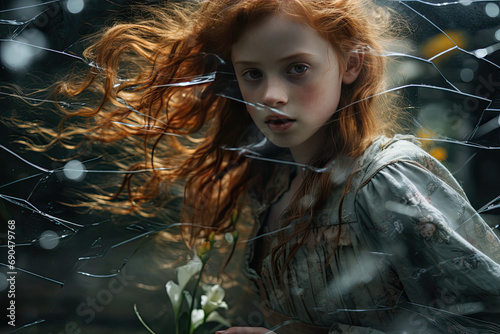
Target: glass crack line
30,6
33,274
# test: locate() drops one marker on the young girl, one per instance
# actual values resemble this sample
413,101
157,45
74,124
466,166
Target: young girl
352,231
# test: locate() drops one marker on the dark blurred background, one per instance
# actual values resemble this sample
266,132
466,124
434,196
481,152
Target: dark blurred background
54,254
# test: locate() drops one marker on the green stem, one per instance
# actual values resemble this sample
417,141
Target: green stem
176,321
142,321
204,261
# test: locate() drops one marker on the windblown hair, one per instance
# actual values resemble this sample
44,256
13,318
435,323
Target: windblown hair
141,72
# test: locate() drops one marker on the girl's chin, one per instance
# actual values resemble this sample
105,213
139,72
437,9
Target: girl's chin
282,140
279,142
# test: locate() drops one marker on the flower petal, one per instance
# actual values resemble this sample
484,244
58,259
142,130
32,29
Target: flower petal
197,318
174,293
216,293
185,272
216,317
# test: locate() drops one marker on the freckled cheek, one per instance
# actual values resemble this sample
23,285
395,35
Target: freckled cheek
307,95
317,98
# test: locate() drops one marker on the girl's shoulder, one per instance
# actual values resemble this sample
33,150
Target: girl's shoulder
407,152
384,151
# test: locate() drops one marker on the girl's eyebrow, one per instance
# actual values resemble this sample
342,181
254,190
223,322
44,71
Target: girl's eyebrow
286,58
296,55
245,62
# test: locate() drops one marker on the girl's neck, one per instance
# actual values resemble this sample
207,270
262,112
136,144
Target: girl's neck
305,152
300,157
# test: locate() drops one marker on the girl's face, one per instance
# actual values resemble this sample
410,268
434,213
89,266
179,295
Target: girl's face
288,66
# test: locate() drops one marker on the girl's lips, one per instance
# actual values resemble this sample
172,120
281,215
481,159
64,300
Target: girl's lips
279,124
277,119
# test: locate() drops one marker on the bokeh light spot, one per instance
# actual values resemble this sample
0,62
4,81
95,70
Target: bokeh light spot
467,75
75,6
497,35
229,237
492,9
410,69
49,240
439,153
18,54
74,170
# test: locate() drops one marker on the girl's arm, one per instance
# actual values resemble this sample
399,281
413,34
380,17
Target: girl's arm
446,256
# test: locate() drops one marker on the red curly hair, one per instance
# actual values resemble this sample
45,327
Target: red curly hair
142,73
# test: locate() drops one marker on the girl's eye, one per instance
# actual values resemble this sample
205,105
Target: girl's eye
252,75
298,69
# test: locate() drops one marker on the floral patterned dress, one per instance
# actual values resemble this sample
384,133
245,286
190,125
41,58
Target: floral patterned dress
413,255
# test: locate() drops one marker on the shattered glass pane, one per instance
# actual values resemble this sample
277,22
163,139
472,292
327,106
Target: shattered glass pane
78,271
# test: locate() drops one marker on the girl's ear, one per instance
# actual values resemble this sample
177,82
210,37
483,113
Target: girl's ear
354,65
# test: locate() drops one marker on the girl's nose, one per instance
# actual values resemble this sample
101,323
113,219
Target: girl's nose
275,93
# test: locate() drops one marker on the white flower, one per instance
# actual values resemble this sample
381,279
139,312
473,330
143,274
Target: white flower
213,299
174,293
197,318
185,272
216,317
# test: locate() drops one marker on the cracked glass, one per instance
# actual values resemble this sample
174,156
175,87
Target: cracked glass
72,269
